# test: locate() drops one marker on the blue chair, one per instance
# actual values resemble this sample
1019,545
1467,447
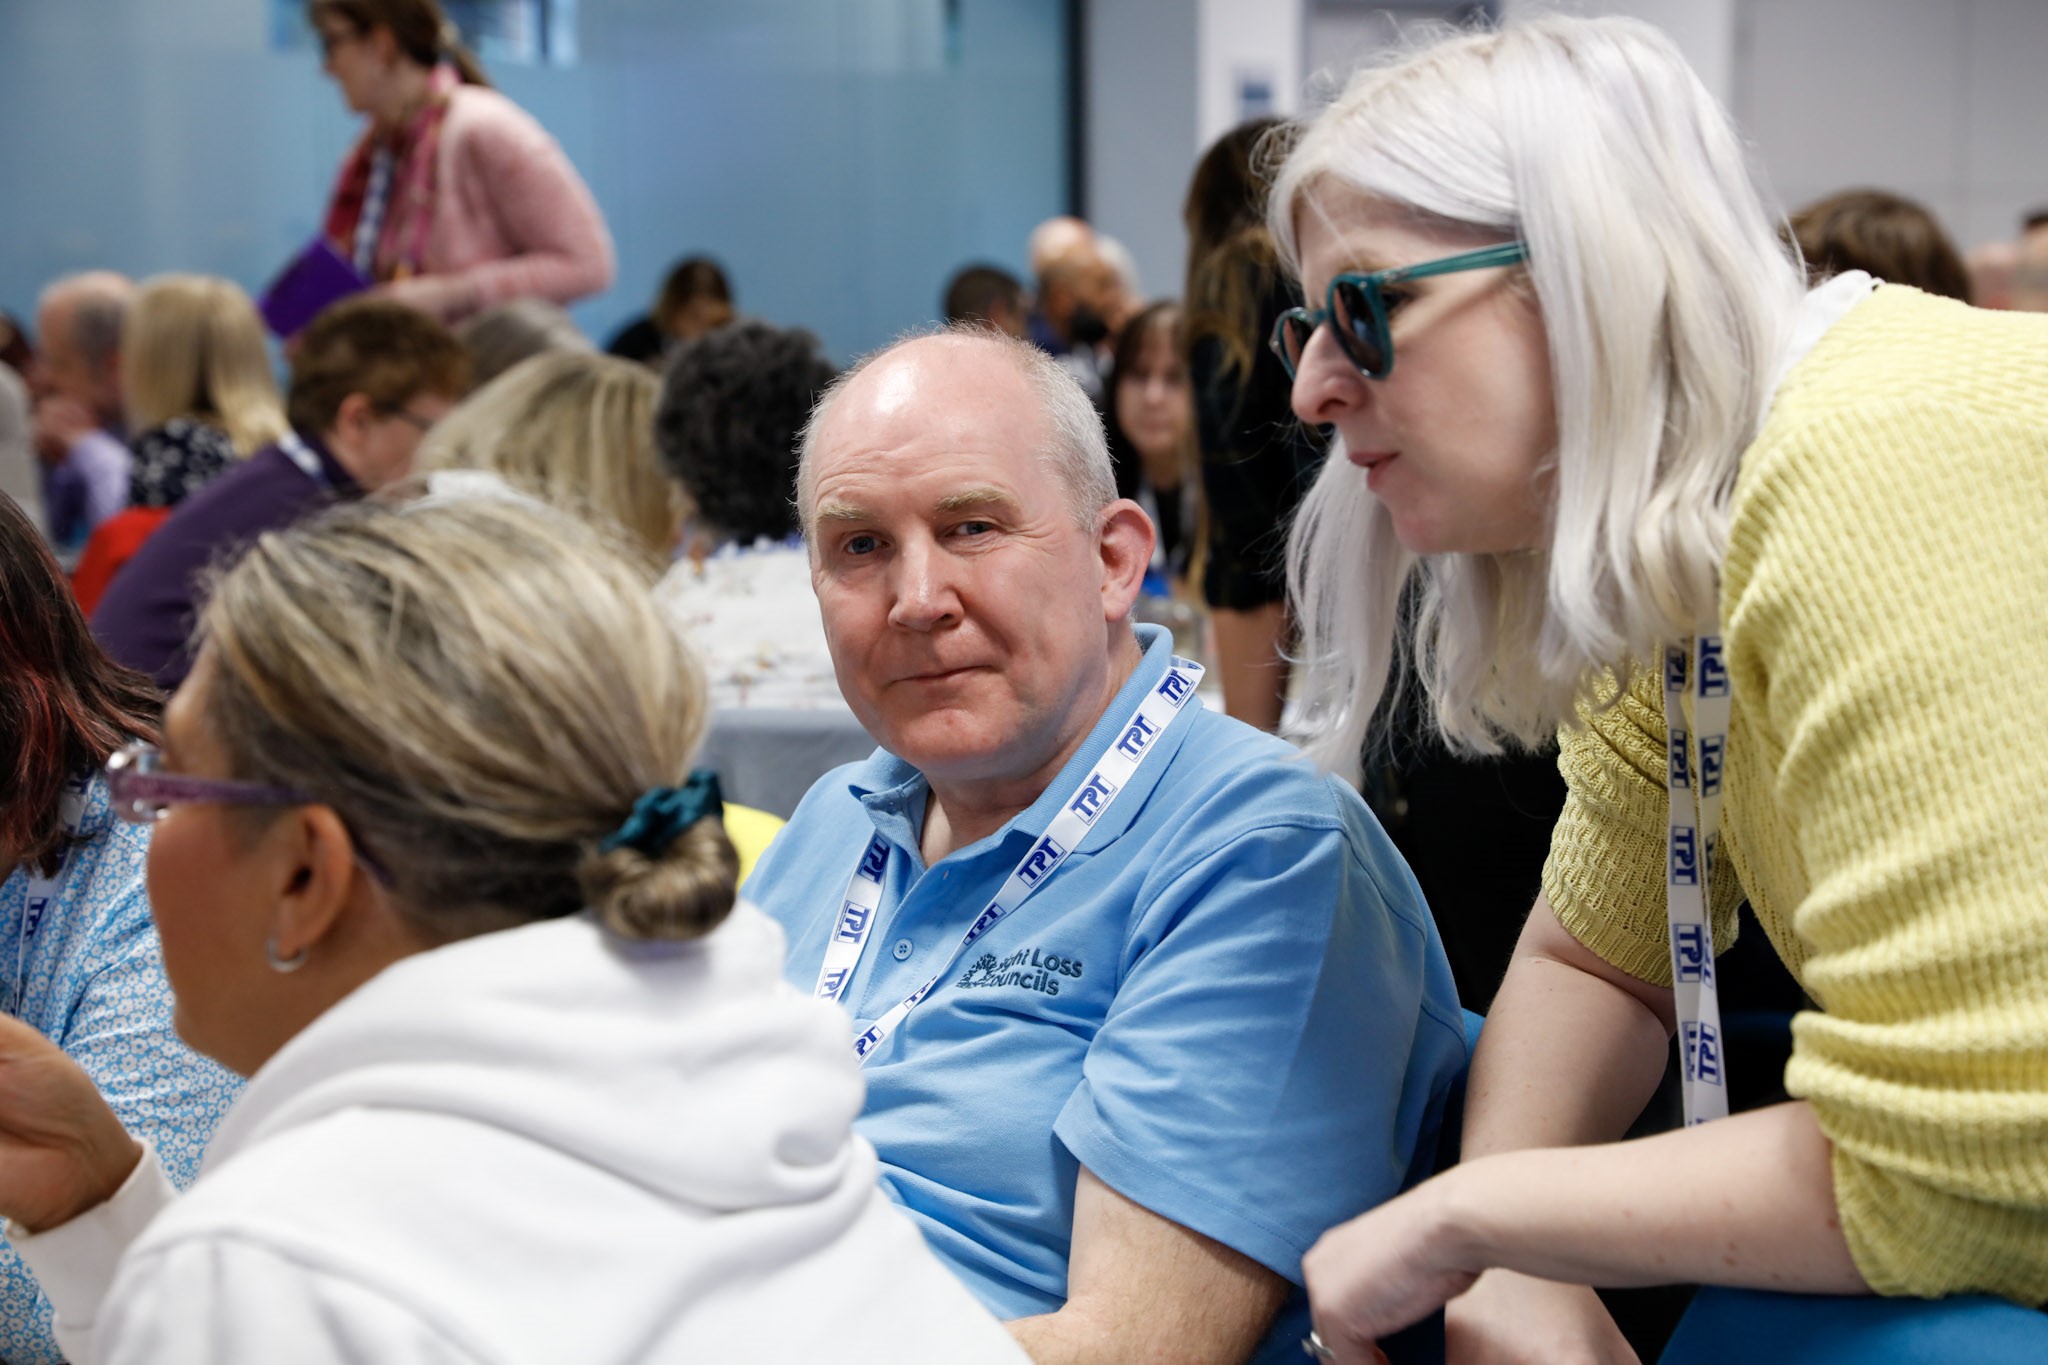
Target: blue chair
1759,1328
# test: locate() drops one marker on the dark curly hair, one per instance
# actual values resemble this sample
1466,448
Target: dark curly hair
732,404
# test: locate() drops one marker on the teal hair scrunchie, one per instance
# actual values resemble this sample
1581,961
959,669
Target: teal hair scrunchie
662,813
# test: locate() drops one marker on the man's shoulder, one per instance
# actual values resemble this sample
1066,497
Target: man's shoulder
1259,776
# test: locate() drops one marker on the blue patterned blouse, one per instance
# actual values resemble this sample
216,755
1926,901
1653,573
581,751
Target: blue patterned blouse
92,980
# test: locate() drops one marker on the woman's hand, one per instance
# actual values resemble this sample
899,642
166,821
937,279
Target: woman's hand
62,1151
1510,1319
1383,1270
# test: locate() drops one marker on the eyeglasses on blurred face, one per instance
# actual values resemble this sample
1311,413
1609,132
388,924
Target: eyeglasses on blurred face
1357,306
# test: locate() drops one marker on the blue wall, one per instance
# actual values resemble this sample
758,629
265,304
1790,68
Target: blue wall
841,157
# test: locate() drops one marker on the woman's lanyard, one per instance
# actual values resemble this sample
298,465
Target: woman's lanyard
1096,793
299,453
1695,827
376,201
43,891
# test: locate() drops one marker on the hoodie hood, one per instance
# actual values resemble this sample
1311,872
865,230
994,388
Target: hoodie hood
691,1069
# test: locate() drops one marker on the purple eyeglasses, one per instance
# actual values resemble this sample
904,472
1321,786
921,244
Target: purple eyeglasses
141,793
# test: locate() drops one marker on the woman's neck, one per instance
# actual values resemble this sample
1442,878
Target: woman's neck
412,85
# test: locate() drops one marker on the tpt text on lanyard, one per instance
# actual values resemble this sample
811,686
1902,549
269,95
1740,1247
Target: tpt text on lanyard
1095,794
1694,762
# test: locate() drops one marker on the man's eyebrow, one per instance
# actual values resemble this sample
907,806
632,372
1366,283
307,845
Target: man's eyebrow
841,512
975,499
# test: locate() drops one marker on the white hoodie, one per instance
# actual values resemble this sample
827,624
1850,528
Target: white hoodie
537,1145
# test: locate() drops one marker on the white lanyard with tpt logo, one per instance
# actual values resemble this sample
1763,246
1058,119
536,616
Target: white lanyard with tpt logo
1694,831
1095,794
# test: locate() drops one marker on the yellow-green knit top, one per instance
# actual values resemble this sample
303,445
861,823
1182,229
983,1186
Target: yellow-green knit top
1885,608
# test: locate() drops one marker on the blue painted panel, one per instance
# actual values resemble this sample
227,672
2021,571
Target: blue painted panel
841,157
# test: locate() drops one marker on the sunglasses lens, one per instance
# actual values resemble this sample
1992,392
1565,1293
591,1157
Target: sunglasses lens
1358,328
1290,339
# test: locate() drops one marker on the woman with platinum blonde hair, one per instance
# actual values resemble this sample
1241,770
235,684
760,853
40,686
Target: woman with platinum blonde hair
432,869
1756,554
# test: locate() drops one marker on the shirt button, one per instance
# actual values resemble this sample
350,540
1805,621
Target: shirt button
902,950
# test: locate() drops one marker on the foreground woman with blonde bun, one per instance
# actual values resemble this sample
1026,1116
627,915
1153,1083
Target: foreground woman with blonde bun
1770,560
431,869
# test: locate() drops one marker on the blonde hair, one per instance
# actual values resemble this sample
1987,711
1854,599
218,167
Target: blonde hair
193,347
1666,297
575,430
482,690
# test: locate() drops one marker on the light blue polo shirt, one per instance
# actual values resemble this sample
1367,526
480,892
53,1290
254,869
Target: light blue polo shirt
1229,1003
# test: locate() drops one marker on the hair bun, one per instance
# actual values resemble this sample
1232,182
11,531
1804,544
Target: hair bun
683,892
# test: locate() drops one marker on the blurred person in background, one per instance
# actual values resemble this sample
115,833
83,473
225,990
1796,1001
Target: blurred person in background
1151,428
78,405
732,404
1991,266
19,477
500,337
1893,238
199,396
695,298
454,198
17,352
82,965
1080,297
370,377
990,294
1256,459
433,869
1130,295
2030,266
574,429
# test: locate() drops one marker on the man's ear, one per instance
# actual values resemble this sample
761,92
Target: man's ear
351,424
1126,540
316,873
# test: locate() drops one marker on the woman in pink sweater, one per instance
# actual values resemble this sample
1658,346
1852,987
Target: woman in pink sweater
454,199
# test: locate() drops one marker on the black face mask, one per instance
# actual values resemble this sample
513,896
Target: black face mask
1085,328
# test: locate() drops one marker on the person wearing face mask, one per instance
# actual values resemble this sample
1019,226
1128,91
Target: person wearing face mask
370,378
454,199
524,1082
1765,558
1078,291
1151,427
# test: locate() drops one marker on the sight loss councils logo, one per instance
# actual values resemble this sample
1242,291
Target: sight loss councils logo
1034,969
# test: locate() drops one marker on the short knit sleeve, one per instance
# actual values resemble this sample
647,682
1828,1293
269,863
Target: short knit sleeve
1885,581
1605,874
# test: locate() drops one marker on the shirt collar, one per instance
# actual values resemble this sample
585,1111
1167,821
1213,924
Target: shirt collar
1825,305
338,478
894,793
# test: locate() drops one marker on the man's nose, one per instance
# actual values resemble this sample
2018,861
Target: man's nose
925,597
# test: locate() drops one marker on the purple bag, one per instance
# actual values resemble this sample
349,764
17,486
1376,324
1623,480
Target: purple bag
317,277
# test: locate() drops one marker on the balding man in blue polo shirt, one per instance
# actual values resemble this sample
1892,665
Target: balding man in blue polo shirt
1145,1004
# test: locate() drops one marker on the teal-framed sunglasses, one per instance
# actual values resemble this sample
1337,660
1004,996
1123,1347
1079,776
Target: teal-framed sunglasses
1357,305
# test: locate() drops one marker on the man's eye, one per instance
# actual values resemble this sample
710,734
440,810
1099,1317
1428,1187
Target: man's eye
1392,299
974,528
859,545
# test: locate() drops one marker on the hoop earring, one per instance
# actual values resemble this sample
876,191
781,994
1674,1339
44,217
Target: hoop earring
283,966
